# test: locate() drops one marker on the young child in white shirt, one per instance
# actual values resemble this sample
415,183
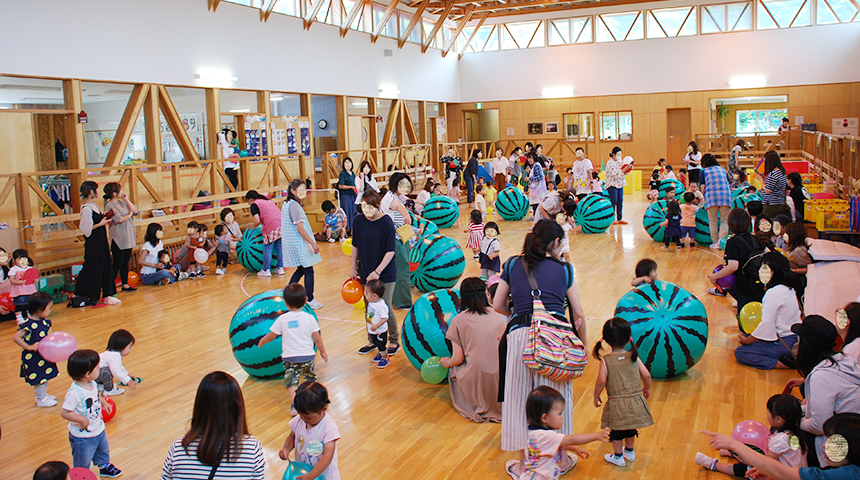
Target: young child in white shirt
313,433
110,364
299,332
481,201
376,314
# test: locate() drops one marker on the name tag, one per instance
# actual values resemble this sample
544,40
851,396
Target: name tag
293,324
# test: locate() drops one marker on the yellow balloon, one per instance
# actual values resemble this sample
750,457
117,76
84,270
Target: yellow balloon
346,247
750,317
359,304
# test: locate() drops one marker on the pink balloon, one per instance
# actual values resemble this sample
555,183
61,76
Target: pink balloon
493,280
200,255
57,347
751,432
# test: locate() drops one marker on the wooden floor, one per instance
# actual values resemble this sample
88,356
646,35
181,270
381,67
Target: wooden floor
393,425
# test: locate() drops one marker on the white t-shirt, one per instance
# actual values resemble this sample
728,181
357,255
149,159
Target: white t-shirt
86,404
386,206
793,457
311,440
375,311
420,200
778,313
695,157
295,329
852,350
113,360
151,256
500,165
670,176
567,227
581,178
481,203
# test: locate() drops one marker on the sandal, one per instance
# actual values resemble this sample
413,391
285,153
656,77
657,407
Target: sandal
509,465
574,460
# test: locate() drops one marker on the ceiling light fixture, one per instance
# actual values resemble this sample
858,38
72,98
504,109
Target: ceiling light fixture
359,104
215,77
748,82
388,91
557,92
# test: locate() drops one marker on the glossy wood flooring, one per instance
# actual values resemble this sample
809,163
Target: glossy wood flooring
393,425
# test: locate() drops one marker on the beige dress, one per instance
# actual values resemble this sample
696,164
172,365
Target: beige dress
626,408
475,383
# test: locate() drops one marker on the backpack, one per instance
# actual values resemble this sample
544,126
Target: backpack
753,264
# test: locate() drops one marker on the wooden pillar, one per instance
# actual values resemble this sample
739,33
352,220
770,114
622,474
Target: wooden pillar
152,119
75,142
373,135
422,122
213,122
264,107
305,100
342,121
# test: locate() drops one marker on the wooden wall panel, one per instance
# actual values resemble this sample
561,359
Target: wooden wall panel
834,94
805,96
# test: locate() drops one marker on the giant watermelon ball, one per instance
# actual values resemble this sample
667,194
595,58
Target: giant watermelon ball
425,326
668,325
249,250
512,204
703,227
442,210
594,214
440,263
669,184
654,216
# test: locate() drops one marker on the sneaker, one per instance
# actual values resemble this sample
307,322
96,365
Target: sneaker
629,455
716,292
342,239
377,358
617,461
392,350
330,240
382,363
200,275
46,402
264,273
280,271
715,246
476,257
366,349
678,248
192,275
112,301
705,461
109,470
509,467
315,305
219,271
183,276
164,281
115,391
129,289
664,248
204,268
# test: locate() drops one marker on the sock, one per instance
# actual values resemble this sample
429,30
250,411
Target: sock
41,391
617,455
628,449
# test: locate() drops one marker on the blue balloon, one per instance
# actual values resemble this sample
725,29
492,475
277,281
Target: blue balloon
331,220
296,469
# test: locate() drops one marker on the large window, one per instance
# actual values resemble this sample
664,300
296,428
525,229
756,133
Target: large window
783,14
729,17
579,126
757,121
671,22
616,125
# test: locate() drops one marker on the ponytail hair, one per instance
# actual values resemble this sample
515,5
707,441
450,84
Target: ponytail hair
616,334
537,242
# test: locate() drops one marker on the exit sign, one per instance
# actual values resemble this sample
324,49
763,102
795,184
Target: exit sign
480,105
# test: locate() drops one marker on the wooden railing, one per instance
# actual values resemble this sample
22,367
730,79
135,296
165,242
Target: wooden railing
561,150
755,145
835,158
402,158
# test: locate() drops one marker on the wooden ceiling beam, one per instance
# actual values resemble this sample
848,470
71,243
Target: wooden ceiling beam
552,5
416,19
466,17
126,125
392,5
213,4
480,24
439,23
357,8
264,14
313,16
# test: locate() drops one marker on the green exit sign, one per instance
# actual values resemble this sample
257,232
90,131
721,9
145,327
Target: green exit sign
480,106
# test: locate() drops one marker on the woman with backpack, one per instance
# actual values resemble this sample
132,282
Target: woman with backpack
538,264
743,258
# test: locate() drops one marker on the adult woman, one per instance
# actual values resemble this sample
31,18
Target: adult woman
795,244
830,380
556,284
266,214
474,368
541,158
848,324
300,250
718,198
693,160
500,169
773,190
770,343
537,181
739,248
453,165
122,235
364,181
399,185
96,278
231,168
218,445
373,240
152,271
734,159
615,183
424,195
471,175
514,165
347,192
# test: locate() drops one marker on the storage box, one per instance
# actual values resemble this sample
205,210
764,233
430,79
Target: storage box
50,284
829,215
814,187
809,178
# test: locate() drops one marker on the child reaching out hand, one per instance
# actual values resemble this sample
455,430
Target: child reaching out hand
110,364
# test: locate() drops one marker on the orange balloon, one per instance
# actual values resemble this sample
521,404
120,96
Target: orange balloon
352,291
133,278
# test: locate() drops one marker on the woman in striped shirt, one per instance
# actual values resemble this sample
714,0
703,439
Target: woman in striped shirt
218,444
773,191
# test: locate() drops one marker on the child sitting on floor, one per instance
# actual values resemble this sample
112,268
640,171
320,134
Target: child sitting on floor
335,223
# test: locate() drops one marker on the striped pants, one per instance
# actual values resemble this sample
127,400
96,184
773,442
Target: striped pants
519,381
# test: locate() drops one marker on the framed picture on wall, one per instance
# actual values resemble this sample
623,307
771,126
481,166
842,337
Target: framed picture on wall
535,128
551,128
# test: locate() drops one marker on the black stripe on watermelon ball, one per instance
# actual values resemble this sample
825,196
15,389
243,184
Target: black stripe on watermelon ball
670,359
267,364
255,320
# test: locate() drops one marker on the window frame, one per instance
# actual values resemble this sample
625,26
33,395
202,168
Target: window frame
616,114
579,138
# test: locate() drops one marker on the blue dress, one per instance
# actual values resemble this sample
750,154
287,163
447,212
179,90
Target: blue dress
296,251
347,197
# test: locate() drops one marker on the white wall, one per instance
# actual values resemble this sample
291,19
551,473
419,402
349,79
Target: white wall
167,41
797,56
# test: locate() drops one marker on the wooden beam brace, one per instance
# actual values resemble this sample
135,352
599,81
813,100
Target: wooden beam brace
148,186
152,121
388,11
309,20
458,30
203,178
7,190
482,18
213,4
439,23
357,8
391,123
175,124
410,127
126,125
416,20
264,14
48,201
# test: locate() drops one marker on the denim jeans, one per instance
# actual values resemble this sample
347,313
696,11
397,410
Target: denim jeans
267,255
153,278
470,188
86,450
308,273
616,196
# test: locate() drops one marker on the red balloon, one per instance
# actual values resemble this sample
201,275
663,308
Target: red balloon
413,267
109,412
352,291
6,301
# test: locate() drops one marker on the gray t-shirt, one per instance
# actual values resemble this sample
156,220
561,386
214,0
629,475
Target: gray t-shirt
122,234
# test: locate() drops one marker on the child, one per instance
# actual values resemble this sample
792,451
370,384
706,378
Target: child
475,229
206,244
185,255
669,175
299,332
646,272
335,223
799,259
654,187
174,270
779,223
682,177
228,219
21,289
543,455
596,183
491,196
376,315
740,180
673,225
490,250
454,192
481,201
437,191
688,219
35,370
565,219
786,442
82,407
569,180
222,249
110,364
660,168
52,471
626,408
313,433
754,209
700,199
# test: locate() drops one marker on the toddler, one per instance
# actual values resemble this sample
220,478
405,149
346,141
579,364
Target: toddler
596,183
492,194
646,272
35,370
299,332
481,201
786,442
174,270
688,219
682,177
654,187
376,315
673,225
475,229
490,250
313,433
110,364
699,198
222,249
626,408
206,244
22,277
454,192
52,471
543,455
565,219
82,407
670,175
335,223
185,255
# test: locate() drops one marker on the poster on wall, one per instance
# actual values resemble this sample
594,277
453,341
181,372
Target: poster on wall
535,128
306,138
440,127
551,128
292,146
193,125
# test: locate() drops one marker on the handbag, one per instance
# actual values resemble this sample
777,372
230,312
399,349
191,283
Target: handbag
552,349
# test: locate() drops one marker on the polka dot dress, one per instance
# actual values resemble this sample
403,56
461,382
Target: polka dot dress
35,370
